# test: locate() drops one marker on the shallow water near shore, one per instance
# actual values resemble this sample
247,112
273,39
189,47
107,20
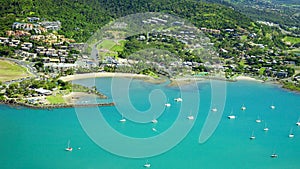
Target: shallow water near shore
34,139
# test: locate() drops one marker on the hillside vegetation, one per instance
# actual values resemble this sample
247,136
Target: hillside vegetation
81,18
283,12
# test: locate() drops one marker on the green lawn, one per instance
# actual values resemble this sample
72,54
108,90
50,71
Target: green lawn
58,99
117,48
107,44
292,40
11,71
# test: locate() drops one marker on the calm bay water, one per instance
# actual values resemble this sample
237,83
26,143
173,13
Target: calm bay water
34,139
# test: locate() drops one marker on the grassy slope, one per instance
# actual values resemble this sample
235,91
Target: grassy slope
107,44
292,40
11,71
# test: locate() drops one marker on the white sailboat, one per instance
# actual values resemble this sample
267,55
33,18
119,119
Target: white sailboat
272,106
266,128
190,117
178,99
154,121
258,120
123,119
298,122
243,107
231,116
291,135
274,155
252,137
214,109
154,129
68,147
147,165
168,105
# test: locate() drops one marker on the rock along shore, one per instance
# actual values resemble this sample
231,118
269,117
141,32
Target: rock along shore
54,106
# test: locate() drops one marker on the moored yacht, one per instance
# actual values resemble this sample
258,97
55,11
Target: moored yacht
147,165
274,155
258,120
298,122
122,119
190,117
266,128
231,116
178,99
154,121
252,137
68,147
168,105
291,135
243,107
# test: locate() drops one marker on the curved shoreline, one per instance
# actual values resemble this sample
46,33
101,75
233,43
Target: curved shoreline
181,81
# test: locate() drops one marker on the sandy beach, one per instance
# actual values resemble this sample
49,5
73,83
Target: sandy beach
174,81
108,74
248,78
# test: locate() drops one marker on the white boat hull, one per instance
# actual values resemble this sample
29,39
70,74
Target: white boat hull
154,121
274,155
168,105
69,149
231,117
123,120
147,165
190,117
178,99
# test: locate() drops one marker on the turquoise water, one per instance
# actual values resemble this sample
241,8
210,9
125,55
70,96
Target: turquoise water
34,139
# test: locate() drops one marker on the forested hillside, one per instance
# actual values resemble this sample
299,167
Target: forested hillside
283,12
81,18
